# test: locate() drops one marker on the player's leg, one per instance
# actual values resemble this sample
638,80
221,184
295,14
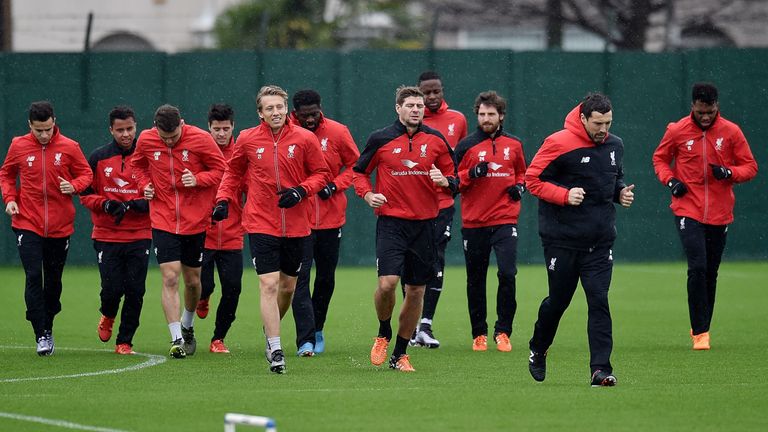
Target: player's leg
477,251
716,236
207,282
192,247
168,252
326,253
230,267
303,313
30,247
562,278
434,287
265,250
504,242
54,258
135,267
596,272
692,237
110,261
391,246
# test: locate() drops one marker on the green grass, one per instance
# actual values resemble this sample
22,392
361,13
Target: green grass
663,384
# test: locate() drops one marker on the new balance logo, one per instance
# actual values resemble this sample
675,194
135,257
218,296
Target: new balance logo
107,171
259,152
585,159
30,159
156,155
481,156
397,150
689,144
409,163
552,264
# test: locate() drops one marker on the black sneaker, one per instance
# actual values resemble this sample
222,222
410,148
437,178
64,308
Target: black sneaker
537,365
277,363
190,343
603,379
177,349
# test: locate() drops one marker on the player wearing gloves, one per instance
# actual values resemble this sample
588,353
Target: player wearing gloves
327,215
700,158
281,163
121,230
491,166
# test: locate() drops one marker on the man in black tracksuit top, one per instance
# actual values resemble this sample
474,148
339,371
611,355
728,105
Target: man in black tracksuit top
577,175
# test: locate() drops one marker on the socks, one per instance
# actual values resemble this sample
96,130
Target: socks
188,318
401,344
274,343
175,328
385,329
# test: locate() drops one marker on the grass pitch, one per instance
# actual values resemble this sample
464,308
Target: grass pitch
662,383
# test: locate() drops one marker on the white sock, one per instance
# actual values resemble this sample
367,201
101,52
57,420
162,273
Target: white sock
274,343
175,328
426,321
188,318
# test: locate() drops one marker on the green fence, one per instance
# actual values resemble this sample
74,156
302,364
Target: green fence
648,91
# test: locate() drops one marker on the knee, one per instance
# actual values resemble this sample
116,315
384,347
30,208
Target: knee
170,280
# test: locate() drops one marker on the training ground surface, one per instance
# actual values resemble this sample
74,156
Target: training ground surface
662,383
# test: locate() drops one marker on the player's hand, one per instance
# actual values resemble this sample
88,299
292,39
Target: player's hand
291,196
437,177
11,208
516,192
677,187
375,200
65,186
220,211
149,191
721,172
327,191
188,179
626,196
575,196
479,170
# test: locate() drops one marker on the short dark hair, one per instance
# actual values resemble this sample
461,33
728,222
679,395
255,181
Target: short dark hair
404,92
429,75
704,92
121,112
595,102
305,98
221,112
167,118
491,98
40,111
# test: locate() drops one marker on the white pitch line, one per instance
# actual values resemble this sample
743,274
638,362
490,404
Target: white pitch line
152,360
57,423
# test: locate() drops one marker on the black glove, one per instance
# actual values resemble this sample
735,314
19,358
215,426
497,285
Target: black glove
720,172
138,205
111,207
327,191
516,192
220,211
677,187
116,209
479,170
291,196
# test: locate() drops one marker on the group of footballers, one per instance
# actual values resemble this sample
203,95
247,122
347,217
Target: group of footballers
189,196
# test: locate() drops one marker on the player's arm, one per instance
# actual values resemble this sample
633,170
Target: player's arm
663,156
88,197
8,173
140,164
361,177
545,190
744,166
349,155
234,174
214,161
79,170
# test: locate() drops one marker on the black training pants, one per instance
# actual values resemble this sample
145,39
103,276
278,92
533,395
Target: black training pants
704,246
43,259
123,269
565,267
310,310
478,243
230,266
434,287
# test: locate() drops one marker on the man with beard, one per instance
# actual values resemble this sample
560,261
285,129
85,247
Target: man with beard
491,173
578,175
